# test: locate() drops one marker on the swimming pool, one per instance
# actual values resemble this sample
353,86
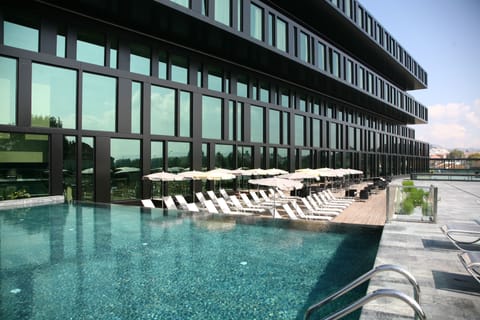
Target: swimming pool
120,262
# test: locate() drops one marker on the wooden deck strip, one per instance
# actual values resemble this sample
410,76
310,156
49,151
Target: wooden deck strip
366,212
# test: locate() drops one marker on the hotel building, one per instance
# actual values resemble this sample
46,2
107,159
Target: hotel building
96,93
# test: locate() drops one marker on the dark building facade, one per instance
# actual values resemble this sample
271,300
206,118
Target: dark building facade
96,93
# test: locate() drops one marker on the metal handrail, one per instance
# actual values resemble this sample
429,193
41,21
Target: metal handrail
360,280
419,313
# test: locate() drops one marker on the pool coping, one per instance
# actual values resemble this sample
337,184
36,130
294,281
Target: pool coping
28,202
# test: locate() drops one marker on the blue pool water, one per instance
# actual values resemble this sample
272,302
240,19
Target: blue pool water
119,262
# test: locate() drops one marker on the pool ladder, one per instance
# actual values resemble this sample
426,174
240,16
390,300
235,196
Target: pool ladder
414,303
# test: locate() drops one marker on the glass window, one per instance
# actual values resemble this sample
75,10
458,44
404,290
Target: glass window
321,56
242,86
184,113
70,168
113,58
231,120
162,65
316,133
90,48
239,121
332,136
184,3
179,156
61,46
8,90
88,169
360,82
274,126
256,22
99,96
240,15
54,97
299,130
19,36
222,11
349,71
281,33
126,172
284,98
271,30
244,157
264,92
302,104
224,156
140,59
211,118
24,165
282,159
156,156
136,107
215,79
162,109
304,47
256,124
286,128
179,69
335,67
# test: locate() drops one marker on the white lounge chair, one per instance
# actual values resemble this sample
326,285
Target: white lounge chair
267,199
471,262
169,203
238,205
313,211
330,196
302,215
224,208
224,194
462,234
210,206
289,211
192,207
320,206
249,203
181,201
148,203
323,201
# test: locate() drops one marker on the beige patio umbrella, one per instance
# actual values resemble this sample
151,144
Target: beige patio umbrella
274,172
162,177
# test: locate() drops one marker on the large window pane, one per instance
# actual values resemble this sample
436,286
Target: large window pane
224,156
99,96
321,57
211,118
70,167
24,165
274,126
214,80
299,130
88,169
244,157
19,36
256,22
179,156
184,113
61,46
333,136
140,59
281,39
185,3
126,173
162,119
54,97
8,90
156,156
304,53
179,69
242,86
222,11
335,67
256,124
91,48
136,107
282,159
316,133
162,65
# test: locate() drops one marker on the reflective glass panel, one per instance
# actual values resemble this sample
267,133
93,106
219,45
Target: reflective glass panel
140,59
321,56
99,96
274,126
90,48
19,36
162,65
156,156
70,168
136,107
214,79
179,156
162,117
304,47
335,69
281,35
264,92
211,118
284,98
185,3
242,86
244,157
256,22
299,130
184,113
239,121
179,69
54,97
231,119
333,136
282,159
24,165
256,124
8,90
222,11
285,130
224,156
316,133
126,171
113,58
61,45
88,169
240,15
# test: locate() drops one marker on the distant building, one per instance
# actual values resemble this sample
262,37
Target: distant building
95,94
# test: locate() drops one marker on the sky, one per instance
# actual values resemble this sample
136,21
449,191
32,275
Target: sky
443,36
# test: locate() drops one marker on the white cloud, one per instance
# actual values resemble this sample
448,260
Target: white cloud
452,125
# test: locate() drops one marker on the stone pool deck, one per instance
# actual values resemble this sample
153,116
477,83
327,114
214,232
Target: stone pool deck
447,290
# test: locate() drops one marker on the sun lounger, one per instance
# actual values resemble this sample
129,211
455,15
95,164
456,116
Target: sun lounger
289,211
471,262
224,208
462,234
148,203
224,194
324,202
210,206
201,198
238,205
275,213
181,201
302,215
192,207
267,199
322,207
249,204
282,195
331,197
169,203
320,212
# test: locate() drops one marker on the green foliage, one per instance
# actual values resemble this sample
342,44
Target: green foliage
19,194
407,206
456,154
474,155
414,197
407,183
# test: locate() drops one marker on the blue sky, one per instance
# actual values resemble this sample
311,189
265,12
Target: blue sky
444,37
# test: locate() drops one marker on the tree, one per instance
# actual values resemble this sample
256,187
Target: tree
456,154
475,155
